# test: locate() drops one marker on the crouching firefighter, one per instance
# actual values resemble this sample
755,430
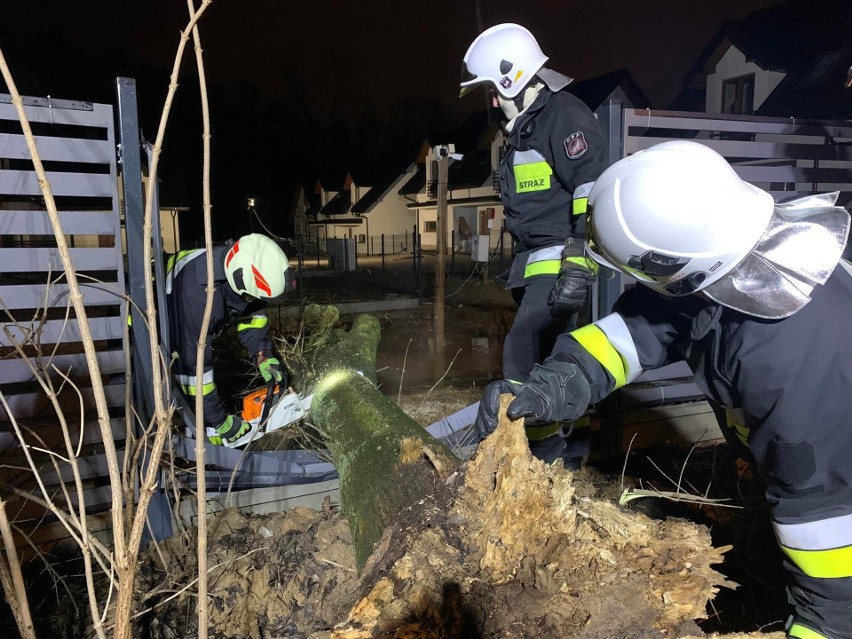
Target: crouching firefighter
755,297
246,275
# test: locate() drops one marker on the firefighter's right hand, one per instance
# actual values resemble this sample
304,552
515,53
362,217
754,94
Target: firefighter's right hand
555,391
232,432
489,406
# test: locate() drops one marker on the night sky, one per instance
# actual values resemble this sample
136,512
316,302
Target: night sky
322,87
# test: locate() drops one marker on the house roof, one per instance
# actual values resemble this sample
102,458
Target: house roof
595,91
338,205
473,170
812,47
416,182
375,194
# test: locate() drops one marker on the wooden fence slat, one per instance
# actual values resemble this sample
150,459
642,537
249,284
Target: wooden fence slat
56,331
28,260
14,147
32,297
73,222
75,184
16,371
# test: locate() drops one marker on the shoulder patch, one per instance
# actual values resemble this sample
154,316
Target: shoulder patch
575,145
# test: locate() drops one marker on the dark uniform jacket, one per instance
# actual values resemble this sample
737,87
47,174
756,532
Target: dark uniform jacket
786,386
186,281
554,153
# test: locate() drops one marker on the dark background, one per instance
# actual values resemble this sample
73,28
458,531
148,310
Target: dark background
306,90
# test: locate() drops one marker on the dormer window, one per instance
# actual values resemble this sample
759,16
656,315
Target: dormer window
738,95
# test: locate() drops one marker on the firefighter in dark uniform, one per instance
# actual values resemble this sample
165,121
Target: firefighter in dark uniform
246,274
555,150
755,297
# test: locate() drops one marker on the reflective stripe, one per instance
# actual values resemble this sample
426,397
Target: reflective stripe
532,172
537,432
579,206
188,383
822,564
256,321
594,340
735,419
545,267
821,549
532,177
824,534
546,261
614,349
583,190
206,389
176,263
803,632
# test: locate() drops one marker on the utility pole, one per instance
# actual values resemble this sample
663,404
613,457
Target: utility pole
442,154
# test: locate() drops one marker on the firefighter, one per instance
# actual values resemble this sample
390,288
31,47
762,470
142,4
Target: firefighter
555,149
755,297
246,275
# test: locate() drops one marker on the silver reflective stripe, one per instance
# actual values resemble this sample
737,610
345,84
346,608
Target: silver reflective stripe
583,190
616,332
825,534
186,259
530,156
189,380
549,253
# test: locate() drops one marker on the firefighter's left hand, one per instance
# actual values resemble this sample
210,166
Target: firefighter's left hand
569,294
270,368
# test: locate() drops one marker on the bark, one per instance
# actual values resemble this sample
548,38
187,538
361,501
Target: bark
386,460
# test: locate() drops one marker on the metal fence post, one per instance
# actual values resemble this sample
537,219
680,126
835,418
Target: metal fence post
453,252
318,254
383,251
418,261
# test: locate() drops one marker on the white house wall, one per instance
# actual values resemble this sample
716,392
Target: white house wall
733,64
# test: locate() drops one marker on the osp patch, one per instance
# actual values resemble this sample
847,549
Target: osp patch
576,145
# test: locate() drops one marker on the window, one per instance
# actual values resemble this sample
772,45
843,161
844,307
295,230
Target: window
738,95
430,227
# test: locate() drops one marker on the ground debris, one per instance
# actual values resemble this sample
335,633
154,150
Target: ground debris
276,575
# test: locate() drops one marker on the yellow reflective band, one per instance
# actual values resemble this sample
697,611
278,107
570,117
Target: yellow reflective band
803,632
595,341
534,176
258,321
579,206
583,421
174,257
537,432
543,267
822,564
206,389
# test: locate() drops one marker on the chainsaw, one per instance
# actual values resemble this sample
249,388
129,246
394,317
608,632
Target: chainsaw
270,409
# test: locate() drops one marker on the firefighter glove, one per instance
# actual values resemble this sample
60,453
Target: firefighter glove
555,391
489,406
270,368
569,294
232,432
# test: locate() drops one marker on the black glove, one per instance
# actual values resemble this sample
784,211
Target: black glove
569,294
489,406
555,391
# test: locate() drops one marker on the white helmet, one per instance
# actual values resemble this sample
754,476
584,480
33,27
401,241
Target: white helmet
506,55
675,216
256,265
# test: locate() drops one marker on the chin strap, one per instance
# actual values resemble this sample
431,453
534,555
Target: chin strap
514,107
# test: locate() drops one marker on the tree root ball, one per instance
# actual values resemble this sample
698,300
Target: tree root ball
522,549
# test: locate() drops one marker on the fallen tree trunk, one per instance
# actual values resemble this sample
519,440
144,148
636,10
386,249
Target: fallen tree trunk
386,460
502,547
